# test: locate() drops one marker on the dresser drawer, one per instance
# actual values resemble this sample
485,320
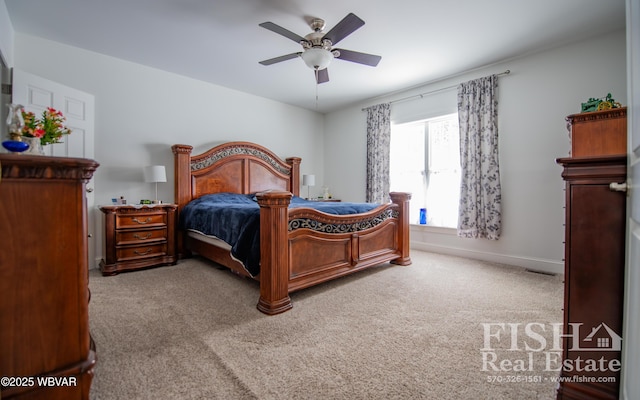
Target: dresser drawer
137,220
124,237
145,251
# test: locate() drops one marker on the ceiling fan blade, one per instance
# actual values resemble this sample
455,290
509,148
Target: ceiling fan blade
357,57
322,75
279,59
282,31
344,28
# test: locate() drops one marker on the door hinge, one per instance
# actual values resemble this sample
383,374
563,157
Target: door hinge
7,88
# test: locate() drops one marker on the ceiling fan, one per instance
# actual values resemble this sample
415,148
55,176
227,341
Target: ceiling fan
318,46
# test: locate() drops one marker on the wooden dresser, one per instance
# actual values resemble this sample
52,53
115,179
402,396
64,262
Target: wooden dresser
44,294
138,237
595,227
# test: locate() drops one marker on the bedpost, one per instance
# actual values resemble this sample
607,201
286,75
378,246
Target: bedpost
274,252
182,185
402,200
295,174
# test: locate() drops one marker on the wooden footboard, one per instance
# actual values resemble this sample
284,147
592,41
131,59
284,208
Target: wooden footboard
303,247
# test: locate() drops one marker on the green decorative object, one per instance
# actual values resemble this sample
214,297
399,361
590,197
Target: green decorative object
604,103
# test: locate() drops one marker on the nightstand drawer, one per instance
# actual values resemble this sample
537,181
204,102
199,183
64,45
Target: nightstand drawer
124,237
132,253
137,220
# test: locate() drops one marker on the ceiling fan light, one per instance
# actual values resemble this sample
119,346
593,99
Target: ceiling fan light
316,58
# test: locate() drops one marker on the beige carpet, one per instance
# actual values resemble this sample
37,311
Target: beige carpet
192,331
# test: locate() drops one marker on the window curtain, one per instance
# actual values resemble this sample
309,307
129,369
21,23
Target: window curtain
480,200
378,152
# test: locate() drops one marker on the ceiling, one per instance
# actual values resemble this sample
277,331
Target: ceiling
219,41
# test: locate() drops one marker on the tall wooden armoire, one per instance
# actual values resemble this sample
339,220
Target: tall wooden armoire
44,293
595,224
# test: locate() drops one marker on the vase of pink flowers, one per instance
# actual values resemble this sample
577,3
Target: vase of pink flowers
40,131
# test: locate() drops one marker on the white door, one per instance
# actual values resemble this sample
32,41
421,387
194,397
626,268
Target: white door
630,388
36,94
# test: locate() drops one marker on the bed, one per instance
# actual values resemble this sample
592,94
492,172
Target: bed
298,246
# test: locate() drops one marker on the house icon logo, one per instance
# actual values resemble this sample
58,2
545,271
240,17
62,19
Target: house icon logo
601,338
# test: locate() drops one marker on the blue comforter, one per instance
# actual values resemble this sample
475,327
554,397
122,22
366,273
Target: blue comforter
235,219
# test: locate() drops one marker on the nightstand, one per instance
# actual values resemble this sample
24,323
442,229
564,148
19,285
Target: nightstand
138,237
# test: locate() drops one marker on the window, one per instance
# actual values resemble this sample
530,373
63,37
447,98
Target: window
425,160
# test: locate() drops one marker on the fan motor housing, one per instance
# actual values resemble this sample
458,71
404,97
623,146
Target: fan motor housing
315,39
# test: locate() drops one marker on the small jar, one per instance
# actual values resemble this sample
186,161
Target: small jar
423,216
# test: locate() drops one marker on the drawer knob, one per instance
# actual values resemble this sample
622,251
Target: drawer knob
146,221
143,253
147,236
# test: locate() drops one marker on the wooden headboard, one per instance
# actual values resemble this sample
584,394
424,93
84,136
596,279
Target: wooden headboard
235,167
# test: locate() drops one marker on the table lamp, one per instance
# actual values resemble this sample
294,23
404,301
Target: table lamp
155,174
308,181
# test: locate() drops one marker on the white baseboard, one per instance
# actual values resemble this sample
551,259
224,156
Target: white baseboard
535,264
96,263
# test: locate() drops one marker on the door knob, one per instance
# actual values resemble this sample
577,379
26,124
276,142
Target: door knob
89,190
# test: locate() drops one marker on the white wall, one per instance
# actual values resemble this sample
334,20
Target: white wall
534,100
6,36
141,112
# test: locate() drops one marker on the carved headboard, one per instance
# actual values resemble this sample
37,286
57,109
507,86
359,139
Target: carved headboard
235,167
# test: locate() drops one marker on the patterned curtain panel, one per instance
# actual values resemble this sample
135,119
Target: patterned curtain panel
378,143
479,210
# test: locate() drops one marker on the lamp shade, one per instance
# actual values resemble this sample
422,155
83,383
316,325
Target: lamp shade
155,173
316,58
308,180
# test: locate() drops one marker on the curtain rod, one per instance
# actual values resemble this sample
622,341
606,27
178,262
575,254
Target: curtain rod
421,95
